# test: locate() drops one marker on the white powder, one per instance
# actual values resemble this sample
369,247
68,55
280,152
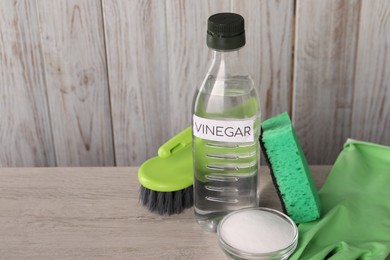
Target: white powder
257,231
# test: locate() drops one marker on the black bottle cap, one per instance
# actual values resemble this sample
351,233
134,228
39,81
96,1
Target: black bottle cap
225,31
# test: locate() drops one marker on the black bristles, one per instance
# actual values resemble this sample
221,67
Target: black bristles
188,197
142,196
167,203
177,202
158,203
151,198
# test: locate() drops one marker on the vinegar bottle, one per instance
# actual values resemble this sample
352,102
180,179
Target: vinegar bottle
226,119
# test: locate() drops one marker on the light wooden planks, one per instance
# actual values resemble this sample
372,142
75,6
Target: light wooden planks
25,131
77,86
138,75
94,213
268,52
324,75
371,103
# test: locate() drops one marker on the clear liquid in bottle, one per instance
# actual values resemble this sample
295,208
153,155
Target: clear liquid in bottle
225,171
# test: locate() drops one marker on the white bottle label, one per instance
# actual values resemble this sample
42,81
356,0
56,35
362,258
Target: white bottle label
240,131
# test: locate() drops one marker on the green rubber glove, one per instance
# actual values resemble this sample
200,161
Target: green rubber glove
355,208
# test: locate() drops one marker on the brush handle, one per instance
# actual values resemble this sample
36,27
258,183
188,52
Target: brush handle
176,143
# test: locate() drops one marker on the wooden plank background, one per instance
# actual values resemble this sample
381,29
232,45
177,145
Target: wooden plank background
96,83
324,76
341,75
73,47
25,128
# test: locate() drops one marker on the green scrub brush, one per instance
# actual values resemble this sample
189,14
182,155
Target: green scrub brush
166,180
289,170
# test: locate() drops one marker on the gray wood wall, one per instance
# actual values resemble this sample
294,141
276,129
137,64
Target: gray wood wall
106,82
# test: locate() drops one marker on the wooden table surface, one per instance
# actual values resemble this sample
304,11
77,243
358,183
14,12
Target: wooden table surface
94,213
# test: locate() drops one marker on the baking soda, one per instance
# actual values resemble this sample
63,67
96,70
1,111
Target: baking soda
257,232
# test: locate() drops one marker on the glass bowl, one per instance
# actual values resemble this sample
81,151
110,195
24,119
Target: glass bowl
257,233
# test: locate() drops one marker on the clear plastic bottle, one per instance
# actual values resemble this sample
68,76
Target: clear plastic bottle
226,118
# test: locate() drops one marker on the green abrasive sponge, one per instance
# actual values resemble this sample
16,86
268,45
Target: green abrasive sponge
290,172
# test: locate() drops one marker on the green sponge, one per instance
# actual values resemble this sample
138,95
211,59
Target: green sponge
290,172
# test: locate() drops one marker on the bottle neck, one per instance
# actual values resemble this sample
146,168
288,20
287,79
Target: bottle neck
227,64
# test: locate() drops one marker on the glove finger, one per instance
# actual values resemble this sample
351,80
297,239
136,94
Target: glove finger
316,239
363,251
345,252
376,250
320,254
